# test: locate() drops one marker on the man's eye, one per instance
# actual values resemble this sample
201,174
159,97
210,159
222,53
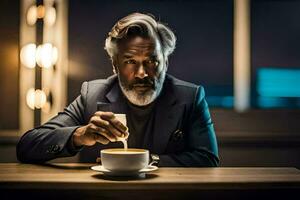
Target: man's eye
129,62
152,61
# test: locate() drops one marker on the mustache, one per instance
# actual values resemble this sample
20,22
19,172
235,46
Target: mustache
143,82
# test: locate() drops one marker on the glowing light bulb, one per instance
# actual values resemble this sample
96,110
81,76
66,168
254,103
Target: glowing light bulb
46,55
34,13
27,55
36,98
31,16
40,99
30,98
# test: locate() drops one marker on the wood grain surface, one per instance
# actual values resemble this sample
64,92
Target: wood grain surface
78,180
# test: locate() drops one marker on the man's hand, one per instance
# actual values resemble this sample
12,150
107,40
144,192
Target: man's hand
103,127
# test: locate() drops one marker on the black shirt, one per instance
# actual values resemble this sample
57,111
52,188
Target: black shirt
140,121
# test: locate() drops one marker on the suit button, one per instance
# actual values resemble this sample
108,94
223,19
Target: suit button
50,148
55,148
177,135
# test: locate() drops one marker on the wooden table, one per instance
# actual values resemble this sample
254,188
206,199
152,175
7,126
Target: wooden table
78,181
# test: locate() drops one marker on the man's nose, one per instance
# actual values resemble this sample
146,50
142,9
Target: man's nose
141,72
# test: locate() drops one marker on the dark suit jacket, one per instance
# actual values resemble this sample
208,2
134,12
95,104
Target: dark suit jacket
183,132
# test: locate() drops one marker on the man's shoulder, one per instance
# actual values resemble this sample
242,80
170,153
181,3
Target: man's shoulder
103,82
183,91
180,84
98,87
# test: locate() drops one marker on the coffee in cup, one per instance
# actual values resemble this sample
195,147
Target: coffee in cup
120,160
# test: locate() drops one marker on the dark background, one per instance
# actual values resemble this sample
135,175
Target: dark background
9,64
203,28
275,41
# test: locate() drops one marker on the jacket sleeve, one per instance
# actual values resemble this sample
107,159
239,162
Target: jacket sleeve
202,149
54,138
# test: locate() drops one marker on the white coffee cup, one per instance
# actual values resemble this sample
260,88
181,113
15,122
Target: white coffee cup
120,160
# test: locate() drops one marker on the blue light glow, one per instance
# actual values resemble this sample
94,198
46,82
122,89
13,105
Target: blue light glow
271,102
220,101
278,82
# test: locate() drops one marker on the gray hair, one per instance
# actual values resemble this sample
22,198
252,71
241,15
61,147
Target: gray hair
144,25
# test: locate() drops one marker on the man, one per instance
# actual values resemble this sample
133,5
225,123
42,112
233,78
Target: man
168,116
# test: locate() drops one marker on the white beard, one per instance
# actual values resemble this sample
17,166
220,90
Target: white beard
149,96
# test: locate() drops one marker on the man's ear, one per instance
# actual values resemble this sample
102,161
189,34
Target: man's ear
167,64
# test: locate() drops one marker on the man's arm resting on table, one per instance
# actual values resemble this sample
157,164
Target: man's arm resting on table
54,138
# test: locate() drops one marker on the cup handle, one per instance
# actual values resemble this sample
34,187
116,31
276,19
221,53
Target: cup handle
153,163
154,160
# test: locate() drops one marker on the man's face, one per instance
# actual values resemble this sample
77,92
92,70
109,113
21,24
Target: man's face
141,69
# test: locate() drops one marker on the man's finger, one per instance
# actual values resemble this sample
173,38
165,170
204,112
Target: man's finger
98,121
101,131
106,115
107,135
108,121
101,139
114,131
106,125
117,124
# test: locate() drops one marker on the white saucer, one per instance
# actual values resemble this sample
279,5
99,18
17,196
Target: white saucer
100,168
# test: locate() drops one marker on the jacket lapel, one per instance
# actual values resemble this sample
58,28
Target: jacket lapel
115,101
167,115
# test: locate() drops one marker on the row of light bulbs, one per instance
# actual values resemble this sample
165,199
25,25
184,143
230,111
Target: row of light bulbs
39,12
44,55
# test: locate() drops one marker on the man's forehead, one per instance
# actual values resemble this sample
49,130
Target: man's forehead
131,44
